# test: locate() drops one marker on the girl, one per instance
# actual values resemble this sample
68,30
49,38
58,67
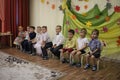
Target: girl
19,38
37,46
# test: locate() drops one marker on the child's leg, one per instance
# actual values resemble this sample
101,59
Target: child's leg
93,60
72,56
87,61
87,58
78,56
67,56
61,55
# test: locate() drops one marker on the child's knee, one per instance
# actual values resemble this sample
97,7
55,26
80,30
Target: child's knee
87,55
78,53
92,57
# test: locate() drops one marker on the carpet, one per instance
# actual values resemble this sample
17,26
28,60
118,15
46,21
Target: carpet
13,68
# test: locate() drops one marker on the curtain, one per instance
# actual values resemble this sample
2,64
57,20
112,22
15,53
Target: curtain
16,13
12,14
2,17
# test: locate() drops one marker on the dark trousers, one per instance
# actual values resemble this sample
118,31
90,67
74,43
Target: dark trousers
56,51
25,45
31,47
44,49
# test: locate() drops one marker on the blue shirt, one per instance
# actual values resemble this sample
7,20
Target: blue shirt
95,44
32,35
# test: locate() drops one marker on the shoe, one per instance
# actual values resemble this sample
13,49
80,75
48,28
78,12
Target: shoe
29,52
64,60
78,65
67,61
33,54
72,64
45,58
87,66
94,68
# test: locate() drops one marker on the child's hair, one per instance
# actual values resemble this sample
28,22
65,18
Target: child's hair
44,27
96,31
32,27
59,26
71,31
38,27
83,30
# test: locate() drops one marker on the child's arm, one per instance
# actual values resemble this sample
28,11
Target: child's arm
98,47
61,40
84,47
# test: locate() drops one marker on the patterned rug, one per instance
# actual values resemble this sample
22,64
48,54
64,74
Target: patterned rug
13,68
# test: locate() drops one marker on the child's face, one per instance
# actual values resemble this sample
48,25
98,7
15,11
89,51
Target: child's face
28,29
44,30
58,29
31,30
94,35
70,35
82,34
38,30
20,28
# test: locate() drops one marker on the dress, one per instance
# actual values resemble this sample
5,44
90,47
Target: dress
37,46
19,38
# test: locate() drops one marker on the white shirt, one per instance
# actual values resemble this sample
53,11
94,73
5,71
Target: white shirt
39,37
46,37
58,40
81,42
26,35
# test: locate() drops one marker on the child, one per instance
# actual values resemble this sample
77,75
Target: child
19,38
82,43
69,45
31,40
57,42
25,41
95,50
37,46
46,43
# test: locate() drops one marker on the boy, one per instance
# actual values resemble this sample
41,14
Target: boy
57,42
25,41
95,50
69,45
38,41
82,43
46,43
31,40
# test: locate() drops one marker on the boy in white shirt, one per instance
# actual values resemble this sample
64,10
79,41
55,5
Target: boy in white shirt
82,43
46,43
57,42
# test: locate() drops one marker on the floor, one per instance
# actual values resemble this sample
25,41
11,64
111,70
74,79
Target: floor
109,69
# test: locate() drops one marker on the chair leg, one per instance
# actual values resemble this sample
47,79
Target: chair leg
98,65
82,56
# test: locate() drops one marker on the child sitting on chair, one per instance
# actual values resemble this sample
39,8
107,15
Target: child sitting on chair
31,41
82,43
46,43
25,41
19,38
57,42
69,45
37,46
95,50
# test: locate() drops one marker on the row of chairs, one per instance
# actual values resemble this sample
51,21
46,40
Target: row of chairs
82,59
